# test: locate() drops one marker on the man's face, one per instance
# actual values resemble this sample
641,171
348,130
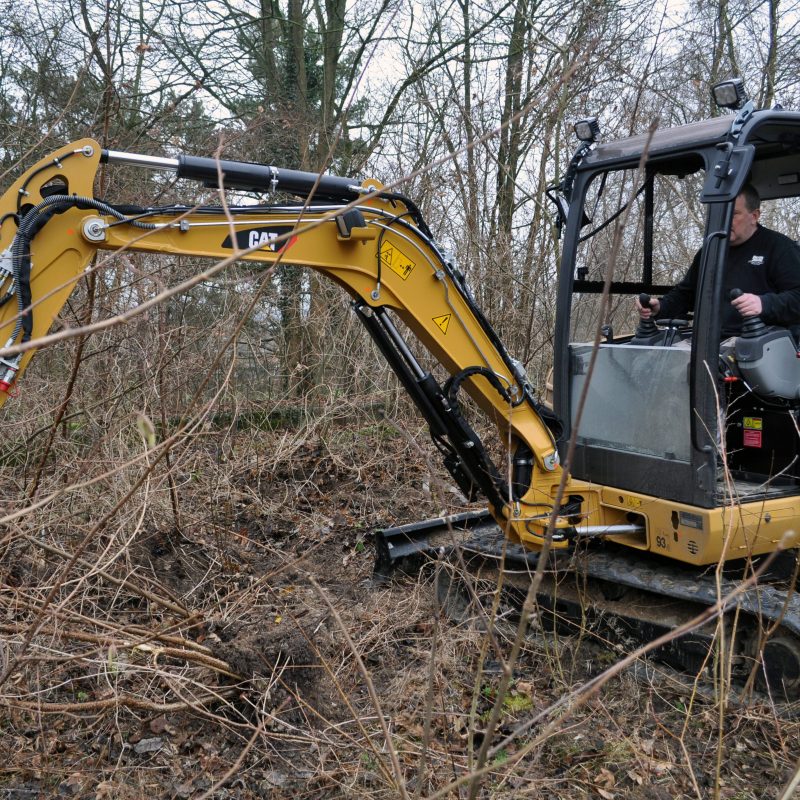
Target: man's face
744,222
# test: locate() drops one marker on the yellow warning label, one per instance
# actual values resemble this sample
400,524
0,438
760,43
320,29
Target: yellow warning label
753,423
443,322
396,260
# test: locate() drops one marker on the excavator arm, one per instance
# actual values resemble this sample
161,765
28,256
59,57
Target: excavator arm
372,242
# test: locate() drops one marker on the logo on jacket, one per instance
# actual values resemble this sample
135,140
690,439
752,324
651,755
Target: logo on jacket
756,261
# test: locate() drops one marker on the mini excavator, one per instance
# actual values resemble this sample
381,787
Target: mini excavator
680,459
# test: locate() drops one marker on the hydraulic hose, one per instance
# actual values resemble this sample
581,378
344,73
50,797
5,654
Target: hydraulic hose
29,226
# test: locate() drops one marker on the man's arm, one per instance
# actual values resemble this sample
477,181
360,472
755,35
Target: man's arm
680,298
782,307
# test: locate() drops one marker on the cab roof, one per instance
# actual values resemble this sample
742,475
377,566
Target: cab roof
665,140
775,135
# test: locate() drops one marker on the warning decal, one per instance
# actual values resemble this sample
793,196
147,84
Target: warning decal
751,435
443,322
396,260
752,439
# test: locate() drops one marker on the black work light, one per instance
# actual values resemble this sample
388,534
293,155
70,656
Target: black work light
730,93
587,130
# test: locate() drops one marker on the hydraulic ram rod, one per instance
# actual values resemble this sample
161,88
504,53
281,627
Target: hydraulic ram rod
245,175
137,160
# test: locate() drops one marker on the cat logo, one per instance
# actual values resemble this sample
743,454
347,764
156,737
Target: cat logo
261,238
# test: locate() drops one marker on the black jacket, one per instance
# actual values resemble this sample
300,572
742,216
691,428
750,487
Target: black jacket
767,264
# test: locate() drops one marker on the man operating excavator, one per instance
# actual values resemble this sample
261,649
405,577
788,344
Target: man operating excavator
762,263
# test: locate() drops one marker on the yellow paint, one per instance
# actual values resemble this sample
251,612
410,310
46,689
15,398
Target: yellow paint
59,259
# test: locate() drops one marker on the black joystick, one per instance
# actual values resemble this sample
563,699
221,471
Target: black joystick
752,326
646,327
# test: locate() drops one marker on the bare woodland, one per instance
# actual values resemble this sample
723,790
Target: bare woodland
186,603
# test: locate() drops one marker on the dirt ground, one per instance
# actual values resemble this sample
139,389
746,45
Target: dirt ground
248,653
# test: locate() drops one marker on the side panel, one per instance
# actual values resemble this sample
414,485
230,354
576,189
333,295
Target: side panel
628,388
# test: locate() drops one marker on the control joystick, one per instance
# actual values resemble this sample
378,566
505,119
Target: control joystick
752,326
646,327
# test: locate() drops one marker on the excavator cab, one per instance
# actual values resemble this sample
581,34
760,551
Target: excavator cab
671,412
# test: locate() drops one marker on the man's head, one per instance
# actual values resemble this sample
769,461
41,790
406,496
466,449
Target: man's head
745,215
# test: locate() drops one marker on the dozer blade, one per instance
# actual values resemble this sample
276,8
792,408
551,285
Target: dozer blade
406,547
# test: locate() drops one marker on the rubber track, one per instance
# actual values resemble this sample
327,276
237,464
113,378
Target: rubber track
620,565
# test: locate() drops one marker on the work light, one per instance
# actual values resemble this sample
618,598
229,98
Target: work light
587,130
730,93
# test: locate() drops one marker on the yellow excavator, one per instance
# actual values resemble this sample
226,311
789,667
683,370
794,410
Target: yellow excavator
666,477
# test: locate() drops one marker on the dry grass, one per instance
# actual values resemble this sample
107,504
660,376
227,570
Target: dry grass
249,653
187,610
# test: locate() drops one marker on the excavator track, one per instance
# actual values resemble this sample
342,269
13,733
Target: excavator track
622,597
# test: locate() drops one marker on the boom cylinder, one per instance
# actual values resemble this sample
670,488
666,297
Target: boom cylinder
245,175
